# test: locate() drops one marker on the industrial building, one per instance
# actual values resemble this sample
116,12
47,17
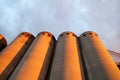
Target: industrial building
70,57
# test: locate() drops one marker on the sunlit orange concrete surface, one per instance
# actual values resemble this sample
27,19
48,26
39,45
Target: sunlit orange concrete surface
67,63
67,58
35,63
3,42
12,54
98,63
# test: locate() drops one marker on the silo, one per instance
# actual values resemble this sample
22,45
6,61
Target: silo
67,62
97,61
35,63
12,54
3,42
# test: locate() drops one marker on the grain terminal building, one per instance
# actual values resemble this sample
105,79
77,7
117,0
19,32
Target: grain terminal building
67,58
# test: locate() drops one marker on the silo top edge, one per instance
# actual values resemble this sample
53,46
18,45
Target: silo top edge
48,33
88,33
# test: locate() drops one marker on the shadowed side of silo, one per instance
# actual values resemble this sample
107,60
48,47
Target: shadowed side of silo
12,54
35,63
66,63
98,62
3,42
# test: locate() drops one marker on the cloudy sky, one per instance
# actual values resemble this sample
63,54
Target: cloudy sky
56,16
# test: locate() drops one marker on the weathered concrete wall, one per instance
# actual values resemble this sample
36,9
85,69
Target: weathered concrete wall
35,63
12,54
98,62
67,62
40,58
3,42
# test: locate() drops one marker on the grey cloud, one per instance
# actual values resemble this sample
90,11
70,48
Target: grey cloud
57,16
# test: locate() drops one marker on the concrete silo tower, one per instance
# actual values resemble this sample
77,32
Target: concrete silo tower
3,42
12,54
35,63
97,61
66,63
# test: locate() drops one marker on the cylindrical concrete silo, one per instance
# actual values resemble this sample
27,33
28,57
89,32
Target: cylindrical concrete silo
97,61
3,42
66,63
35,63
12,54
